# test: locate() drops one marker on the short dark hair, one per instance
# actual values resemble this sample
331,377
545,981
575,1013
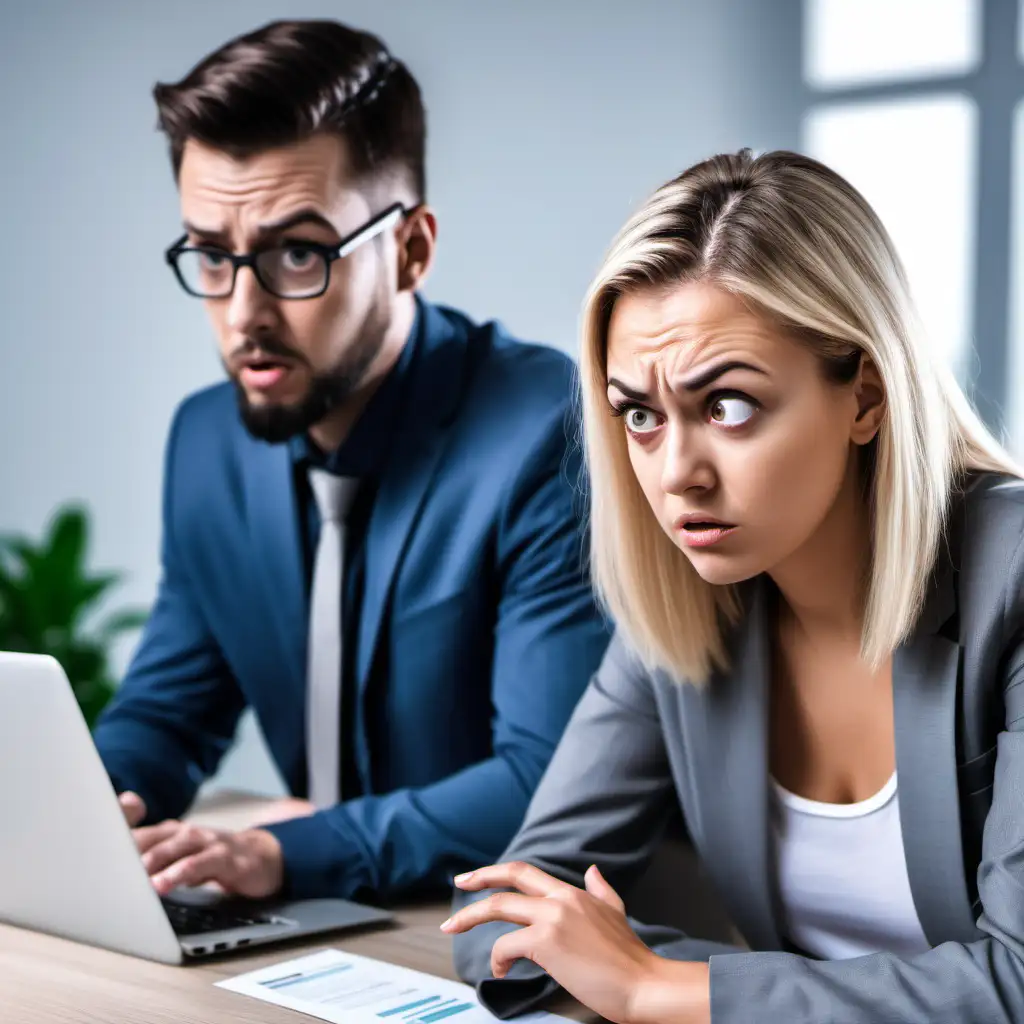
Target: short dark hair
291,79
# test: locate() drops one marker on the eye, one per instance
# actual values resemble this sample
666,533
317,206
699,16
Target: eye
210,259
640,421
731,410
297,257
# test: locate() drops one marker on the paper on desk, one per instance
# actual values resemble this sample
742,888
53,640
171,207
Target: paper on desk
347,989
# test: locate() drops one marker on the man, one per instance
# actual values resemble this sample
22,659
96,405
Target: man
369,533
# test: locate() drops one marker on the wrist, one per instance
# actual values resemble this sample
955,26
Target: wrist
267,849
672,992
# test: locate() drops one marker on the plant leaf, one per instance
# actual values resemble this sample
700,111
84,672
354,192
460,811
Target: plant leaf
19,607
69,536
61,574
83,661
88,591
126,621
93,697
44,591
24,551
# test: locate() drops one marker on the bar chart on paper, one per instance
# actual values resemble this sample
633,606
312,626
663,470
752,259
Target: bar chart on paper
341,987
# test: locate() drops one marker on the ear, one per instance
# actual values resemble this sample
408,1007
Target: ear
869,393
417,239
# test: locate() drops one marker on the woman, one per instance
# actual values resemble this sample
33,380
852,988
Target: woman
813,551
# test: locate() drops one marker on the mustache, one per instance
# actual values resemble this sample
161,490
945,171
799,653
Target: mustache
267,346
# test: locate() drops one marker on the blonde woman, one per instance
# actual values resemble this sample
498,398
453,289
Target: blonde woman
813,551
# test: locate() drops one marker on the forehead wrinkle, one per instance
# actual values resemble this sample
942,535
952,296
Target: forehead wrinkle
273,183
673,334
210,209
242,187
676,360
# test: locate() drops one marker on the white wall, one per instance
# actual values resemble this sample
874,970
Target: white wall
549,121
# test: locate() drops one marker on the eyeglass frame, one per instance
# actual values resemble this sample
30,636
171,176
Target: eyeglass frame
329,253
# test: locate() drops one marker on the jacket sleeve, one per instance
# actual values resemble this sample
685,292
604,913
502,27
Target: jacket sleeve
549,638
176,711
605,799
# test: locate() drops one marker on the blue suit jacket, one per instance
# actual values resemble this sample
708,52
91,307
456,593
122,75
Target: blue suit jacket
477,635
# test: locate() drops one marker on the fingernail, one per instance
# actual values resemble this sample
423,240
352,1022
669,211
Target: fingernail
464,877
444,925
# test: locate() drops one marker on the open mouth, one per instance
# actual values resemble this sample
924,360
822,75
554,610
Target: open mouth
264,373
265,363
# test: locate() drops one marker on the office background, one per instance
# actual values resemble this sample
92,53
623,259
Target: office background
549,120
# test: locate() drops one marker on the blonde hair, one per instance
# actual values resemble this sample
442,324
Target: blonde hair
799,245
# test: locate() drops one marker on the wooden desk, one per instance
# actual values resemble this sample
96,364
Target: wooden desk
45,980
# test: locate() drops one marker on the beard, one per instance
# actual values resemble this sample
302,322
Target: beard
328,389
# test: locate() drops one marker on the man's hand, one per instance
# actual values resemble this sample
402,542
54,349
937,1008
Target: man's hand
174,853
245,863
133,806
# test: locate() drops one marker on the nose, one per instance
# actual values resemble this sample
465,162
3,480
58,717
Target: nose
250,306
687,465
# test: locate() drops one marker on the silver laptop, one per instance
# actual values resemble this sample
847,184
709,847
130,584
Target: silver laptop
68,862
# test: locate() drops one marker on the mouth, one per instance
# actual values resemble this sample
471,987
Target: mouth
701,533
264,372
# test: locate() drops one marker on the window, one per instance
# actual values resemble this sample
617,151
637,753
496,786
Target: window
877,146
854,42
914,102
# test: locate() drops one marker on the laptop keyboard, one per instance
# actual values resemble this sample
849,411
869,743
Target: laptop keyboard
196,920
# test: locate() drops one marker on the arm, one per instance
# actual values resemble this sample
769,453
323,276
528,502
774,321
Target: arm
549,637
604,800
176,711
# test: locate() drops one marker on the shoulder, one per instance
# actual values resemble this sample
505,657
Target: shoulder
989,516
207,439
211,407
514,377
518,404
988,513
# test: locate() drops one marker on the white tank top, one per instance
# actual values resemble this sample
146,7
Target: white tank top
841,875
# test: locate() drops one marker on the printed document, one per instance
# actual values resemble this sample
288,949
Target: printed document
348,989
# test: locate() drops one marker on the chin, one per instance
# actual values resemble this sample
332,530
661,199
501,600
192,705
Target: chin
722,570
277,400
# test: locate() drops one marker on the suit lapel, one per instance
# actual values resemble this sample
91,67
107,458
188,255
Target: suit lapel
735,818
437,375
275,541
925,680
273,527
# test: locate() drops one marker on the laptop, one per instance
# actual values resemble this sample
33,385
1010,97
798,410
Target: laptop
68,862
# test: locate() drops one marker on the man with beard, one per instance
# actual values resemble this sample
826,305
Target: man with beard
369,534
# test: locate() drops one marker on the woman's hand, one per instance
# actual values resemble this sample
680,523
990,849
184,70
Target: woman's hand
583,940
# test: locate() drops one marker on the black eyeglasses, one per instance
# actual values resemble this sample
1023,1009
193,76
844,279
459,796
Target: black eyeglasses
291,271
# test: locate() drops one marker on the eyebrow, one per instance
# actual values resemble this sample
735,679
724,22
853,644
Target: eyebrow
697,383
304,216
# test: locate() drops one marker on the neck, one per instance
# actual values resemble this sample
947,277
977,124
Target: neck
823,584
331,432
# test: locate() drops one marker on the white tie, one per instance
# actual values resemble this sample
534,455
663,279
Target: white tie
334,496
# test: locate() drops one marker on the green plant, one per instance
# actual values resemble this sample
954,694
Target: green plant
45,595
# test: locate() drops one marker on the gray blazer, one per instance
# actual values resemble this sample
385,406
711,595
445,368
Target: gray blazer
640,745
